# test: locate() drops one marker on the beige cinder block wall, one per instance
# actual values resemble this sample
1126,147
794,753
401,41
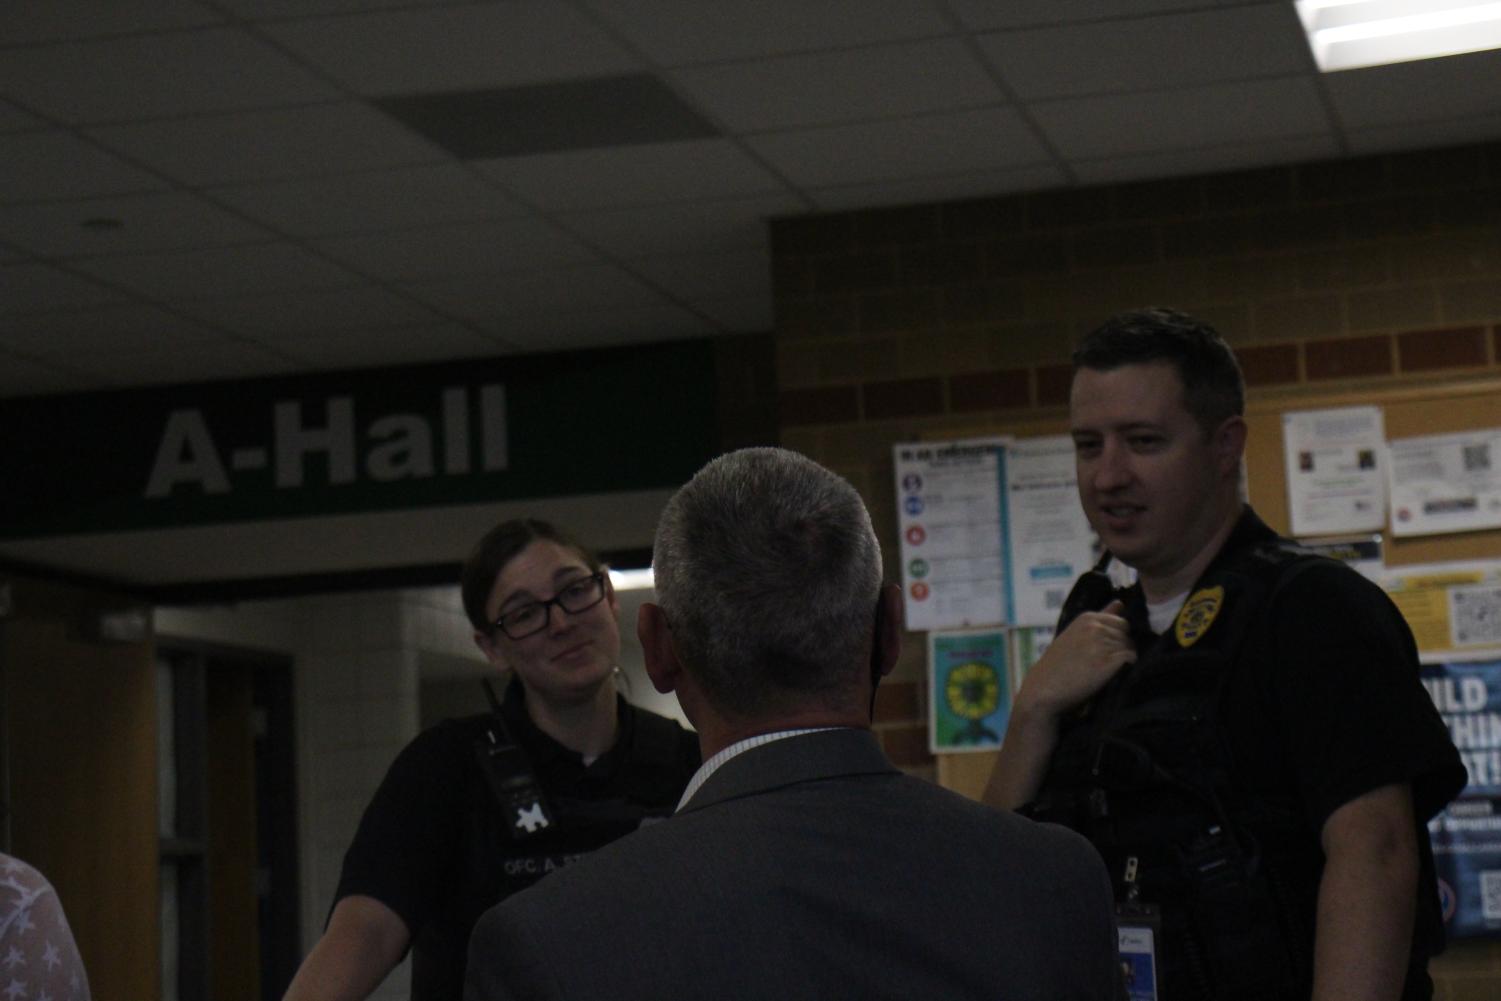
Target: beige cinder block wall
1357,276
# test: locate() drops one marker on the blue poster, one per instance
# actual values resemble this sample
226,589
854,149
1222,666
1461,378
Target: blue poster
1467,834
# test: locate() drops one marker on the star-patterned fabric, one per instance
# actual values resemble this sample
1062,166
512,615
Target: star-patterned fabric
38,958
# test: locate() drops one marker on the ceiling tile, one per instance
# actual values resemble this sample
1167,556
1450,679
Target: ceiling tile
633,175
744,315
1423,135
106,328
13,119
537,292
222,271
290,315
924,190
217,69
697,228
550,117
34,288
886,81
456,48
163,364
157,221
1183,163
32,168
476,248
1223,114
677,32
23,377
59,20
1028,13
256,10
1453,87
962,142
389,346
271,145
355,203
1151,53
921,118
743,274
605,328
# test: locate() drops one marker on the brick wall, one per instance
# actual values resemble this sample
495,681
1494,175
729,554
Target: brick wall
926,321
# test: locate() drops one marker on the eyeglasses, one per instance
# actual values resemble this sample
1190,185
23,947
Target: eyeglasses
581,595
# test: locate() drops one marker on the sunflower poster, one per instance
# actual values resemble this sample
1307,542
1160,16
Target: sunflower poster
969,691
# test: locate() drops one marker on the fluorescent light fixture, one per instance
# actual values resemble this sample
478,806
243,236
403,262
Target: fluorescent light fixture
633,580
1346,34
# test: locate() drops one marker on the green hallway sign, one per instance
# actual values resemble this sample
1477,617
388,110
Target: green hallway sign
362,440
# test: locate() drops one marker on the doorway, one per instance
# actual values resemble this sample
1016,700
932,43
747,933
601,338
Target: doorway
227,822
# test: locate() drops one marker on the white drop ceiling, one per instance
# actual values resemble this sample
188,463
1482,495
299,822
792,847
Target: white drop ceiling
235,188
194,190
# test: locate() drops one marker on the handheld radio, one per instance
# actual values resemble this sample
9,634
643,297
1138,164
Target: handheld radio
1091,592
510,777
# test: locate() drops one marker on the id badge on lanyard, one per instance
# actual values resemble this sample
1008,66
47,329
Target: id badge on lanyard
1139,928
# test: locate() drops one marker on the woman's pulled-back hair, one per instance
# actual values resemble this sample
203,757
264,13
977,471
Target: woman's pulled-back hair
499,546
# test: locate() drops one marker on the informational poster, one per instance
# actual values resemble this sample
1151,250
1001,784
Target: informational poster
952,526
1051,542
1335,480
1445,483
1466,836
1450,608
1027,646
969,693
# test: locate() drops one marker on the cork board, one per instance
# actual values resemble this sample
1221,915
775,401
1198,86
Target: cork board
1409,409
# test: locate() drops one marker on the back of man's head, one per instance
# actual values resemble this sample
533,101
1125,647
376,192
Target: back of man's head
1213,389
768,572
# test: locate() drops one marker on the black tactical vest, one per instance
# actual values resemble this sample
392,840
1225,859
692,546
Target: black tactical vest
1144,770
495,864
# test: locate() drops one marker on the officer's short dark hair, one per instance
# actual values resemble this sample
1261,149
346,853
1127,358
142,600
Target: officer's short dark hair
1213,388
500,545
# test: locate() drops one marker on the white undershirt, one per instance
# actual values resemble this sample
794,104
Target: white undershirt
1160,614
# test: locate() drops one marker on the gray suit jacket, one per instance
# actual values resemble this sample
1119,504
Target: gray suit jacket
810,867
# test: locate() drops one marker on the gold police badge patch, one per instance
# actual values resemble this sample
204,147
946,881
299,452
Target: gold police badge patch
1198,615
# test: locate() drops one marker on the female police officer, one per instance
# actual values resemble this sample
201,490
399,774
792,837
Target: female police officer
475,809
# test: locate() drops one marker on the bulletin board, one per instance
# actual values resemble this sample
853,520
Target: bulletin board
1410,409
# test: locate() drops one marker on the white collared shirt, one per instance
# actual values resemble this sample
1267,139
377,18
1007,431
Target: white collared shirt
739,747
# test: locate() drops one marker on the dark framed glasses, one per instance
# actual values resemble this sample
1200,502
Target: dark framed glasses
533,617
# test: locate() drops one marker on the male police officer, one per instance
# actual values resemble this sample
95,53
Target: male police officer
1242,734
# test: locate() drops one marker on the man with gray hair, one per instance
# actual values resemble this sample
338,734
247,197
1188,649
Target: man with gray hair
801,863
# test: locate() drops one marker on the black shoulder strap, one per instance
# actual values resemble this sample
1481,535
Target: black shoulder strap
1091,592
509,774
1272,557
1272,566
1264,570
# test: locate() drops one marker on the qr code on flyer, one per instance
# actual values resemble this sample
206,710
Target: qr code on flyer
1490,894
1475,615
